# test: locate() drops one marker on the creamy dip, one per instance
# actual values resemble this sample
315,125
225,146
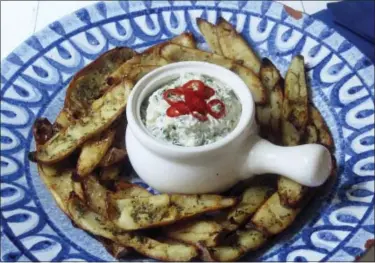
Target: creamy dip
187,130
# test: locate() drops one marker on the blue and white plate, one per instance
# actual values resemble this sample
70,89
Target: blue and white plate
35,75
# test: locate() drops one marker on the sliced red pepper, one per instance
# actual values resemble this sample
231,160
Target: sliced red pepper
178,109
199,116
194,85
216,108
208,92
182,108
195,103
173,96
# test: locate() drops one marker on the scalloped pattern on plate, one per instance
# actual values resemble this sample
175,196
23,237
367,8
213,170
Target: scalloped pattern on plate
35,75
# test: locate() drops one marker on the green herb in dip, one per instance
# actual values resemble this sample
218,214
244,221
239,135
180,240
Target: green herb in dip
186,130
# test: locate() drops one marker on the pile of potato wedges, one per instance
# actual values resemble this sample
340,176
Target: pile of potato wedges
82,158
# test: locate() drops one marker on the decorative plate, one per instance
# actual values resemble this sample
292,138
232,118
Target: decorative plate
337,227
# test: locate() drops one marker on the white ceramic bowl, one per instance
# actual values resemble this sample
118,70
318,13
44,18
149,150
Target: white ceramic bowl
217,166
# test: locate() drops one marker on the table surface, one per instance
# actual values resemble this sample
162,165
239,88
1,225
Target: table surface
20,19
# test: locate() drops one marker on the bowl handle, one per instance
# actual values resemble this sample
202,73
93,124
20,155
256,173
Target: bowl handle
308,164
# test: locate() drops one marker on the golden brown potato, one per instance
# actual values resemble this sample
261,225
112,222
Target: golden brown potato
325,137
269,115
110,173
158,210
92,222
272,217
205,232
311,134
291,193
289,134
243,242
93,151
175,52
133,71
96,196
104,112
63,120
113,156
58,182
233,46
295,107
209,33
252,198
87,84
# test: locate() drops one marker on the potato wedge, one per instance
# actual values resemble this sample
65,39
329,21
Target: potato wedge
59,182
175,52
157,210
295,107
269,115
63,120
93,151
185,39
209,33
289,134
113,156
291,193
311,135
134,71
325,137
205,232
110,173
87,84
95,196
104,112
252,198
272,217
129,190
97,225
244,241
233,46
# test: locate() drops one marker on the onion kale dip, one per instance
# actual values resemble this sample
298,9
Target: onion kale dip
191,110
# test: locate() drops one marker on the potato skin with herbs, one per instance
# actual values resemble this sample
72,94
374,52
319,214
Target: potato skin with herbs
295,108
158,210
202,231
94,223
272,217
87,84
104,112
93,151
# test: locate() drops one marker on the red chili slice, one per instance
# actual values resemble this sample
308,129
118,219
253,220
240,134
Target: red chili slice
208,92
216,108
173,96
182,108
195,85
178,109
195,103
199,116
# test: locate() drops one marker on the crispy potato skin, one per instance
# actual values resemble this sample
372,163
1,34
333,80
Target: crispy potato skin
295,108
87,84
269,115
272,217
159,210
93,151
104,112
